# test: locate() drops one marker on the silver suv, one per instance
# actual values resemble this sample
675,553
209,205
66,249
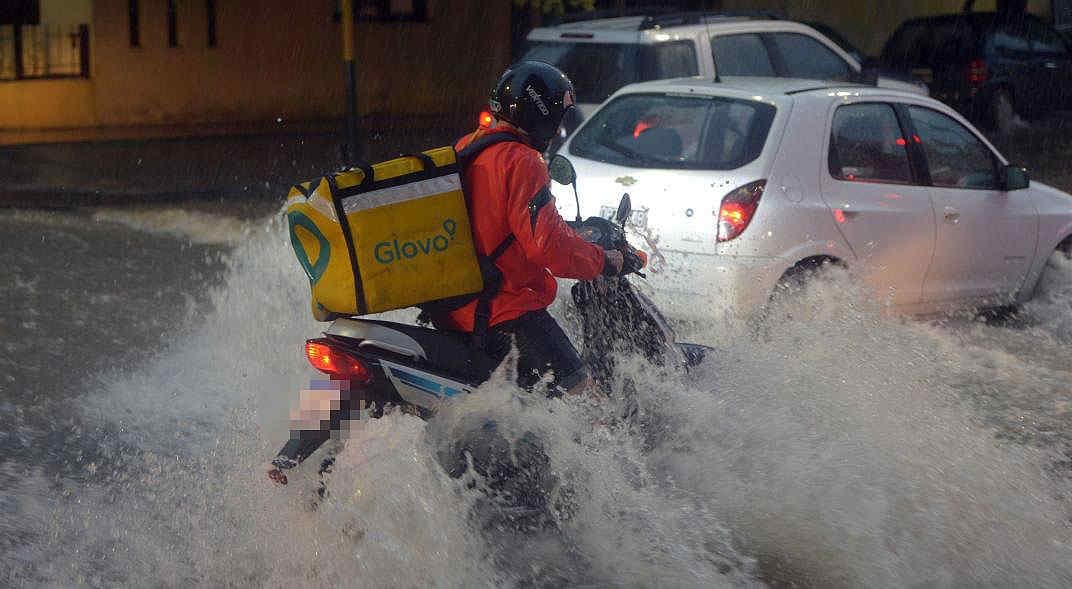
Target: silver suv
603,55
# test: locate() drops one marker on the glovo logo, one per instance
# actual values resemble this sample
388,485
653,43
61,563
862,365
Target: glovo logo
389,252
314,270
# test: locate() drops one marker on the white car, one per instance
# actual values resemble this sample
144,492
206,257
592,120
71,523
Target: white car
602,55
741,184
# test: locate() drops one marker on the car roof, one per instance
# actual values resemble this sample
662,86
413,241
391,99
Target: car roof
637,29
774,90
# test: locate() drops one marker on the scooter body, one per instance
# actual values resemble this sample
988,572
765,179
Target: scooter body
381,364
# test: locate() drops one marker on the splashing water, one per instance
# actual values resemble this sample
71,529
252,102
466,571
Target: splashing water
844,448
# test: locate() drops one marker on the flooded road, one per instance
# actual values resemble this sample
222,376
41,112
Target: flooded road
151,355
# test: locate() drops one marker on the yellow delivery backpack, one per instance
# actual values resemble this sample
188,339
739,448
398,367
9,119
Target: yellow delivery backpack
389,236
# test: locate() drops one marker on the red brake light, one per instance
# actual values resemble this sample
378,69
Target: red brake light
977,73
485,119
738,208
330,360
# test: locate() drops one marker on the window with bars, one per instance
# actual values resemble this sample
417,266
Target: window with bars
44,51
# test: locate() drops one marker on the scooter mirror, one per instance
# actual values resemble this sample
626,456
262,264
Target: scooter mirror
561,170
625,208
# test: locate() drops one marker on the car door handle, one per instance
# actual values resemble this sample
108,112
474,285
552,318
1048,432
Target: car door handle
952,216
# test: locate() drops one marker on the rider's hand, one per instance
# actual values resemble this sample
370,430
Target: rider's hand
612,263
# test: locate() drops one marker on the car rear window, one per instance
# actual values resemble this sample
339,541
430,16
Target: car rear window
680,132
597,70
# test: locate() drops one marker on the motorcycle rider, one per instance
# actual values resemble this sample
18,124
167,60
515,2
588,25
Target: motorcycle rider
517,228
509,195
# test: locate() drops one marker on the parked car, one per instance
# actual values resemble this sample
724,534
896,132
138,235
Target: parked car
602,55
836,36
986,66
746,184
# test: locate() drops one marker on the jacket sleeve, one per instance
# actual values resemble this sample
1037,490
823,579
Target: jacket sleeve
539,229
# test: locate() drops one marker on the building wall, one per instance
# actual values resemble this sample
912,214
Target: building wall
46,103
66,12
281,59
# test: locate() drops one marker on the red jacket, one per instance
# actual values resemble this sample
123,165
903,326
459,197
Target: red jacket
502,181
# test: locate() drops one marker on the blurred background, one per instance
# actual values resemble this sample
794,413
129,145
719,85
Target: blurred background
104,99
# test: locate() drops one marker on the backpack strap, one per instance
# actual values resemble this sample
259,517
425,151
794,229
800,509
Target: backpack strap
492,283
468,153
489,270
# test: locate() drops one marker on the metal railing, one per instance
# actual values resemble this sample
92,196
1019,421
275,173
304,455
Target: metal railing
44,51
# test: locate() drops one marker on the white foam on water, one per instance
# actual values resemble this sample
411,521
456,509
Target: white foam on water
1052,305
837,449
196,226
841,451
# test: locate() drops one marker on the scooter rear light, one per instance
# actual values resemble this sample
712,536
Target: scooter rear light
737,209
333,361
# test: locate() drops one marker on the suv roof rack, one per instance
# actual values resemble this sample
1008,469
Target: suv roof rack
656,17
830,85
677,19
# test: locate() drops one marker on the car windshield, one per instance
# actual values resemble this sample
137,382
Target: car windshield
597,70
684,132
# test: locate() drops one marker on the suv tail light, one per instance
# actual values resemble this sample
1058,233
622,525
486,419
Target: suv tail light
977,74
737,209
334,361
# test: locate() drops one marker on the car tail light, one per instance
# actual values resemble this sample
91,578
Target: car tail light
331,360
738,208
485,119
977,73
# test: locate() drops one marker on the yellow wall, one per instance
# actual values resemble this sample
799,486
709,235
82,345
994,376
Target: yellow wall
274,59
66,12
282,59
46,103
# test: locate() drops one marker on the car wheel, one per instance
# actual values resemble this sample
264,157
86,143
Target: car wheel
780,305
797,278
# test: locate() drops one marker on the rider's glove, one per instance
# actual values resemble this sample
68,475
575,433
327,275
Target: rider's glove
613,261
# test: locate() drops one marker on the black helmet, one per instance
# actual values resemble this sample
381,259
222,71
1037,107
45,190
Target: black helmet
534,97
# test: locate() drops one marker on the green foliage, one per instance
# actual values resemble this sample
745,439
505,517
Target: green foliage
558,7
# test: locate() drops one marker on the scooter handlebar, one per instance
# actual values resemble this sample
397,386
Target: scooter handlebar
635,260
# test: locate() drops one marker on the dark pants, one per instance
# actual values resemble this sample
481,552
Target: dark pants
542,347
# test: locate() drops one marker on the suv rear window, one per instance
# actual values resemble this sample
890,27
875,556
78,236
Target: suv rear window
597,70
681,132
805,57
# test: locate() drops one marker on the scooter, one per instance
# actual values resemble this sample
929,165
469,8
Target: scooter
380,365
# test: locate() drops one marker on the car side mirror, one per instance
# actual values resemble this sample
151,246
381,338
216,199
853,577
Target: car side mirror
1014,178
561,170
625,208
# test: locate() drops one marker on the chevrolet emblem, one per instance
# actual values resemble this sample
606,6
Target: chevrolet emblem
626,180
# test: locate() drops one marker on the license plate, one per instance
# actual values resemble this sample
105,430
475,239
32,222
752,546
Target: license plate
638,219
